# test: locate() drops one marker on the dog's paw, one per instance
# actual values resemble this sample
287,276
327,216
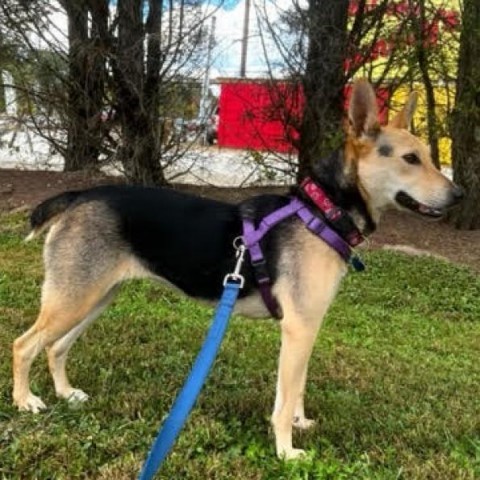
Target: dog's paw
31,403
291,454
303,423
75,395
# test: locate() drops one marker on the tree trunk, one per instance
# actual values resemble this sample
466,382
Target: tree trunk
432,128
324,82
98,53
466,120
137,92
424,61
85,88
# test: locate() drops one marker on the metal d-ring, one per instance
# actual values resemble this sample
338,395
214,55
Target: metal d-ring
237,242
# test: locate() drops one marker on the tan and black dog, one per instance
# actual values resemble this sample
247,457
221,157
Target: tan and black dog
100,237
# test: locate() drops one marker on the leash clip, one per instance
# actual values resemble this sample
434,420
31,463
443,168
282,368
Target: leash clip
236,276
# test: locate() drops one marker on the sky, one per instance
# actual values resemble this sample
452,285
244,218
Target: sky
228,34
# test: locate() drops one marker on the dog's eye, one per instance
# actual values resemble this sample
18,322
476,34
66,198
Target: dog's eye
411,158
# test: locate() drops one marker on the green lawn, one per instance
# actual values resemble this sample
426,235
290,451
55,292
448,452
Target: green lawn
394,381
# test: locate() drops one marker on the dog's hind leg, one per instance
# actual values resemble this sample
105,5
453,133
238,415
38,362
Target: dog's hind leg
58,352
41,335
64,314
25,349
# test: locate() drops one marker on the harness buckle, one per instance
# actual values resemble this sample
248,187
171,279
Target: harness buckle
333,214
316,225
260,270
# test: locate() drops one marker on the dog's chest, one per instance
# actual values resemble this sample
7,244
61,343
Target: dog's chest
310,273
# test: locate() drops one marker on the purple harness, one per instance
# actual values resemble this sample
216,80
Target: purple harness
252,237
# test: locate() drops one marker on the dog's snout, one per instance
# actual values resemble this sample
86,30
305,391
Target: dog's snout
457,193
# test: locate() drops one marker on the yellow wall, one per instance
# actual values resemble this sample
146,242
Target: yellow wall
444,98
445,56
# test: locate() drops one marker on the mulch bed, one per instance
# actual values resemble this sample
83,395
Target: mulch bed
22,189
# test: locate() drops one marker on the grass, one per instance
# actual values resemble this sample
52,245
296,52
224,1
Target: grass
394,381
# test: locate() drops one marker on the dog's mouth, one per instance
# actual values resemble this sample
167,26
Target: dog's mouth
406,201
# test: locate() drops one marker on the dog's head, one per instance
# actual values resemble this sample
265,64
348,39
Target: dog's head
392,167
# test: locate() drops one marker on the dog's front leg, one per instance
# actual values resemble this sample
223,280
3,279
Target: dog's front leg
299,418
298,337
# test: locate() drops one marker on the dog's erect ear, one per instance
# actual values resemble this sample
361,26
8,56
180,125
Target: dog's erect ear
363,112
403,119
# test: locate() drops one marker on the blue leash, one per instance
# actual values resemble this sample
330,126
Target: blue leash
194,383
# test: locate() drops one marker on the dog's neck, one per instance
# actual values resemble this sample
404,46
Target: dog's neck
342,189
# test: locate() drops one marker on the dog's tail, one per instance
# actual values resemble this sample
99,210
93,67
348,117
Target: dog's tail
44,215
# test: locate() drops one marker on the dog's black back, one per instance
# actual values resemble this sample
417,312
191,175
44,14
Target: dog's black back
187,240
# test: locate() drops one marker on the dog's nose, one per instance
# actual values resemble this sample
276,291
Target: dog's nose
457,192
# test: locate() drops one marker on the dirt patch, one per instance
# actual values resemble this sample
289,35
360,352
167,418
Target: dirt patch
437,237
21,189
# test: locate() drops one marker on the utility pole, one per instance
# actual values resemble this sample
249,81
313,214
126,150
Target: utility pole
246,22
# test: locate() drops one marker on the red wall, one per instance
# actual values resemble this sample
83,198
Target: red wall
253,114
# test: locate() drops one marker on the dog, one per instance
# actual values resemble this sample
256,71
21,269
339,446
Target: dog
98,238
